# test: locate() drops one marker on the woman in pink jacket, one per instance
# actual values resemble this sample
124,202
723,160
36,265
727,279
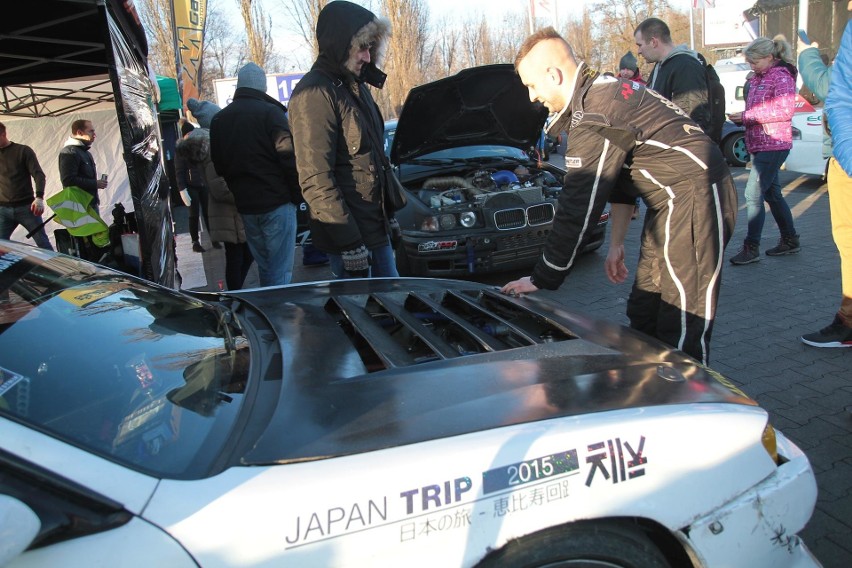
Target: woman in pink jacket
769,136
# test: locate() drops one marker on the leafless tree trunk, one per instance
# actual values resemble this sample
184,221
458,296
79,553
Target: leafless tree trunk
156,17
408,53
258,33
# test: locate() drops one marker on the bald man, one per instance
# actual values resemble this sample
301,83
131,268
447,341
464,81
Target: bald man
625,141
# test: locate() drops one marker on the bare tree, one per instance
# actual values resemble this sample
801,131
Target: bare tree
447,45
303,15
219,42
581,34
258,33
477,48
156,17
508,38
408,52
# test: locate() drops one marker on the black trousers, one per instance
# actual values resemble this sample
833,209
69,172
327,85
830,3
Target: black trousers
198,200
238,260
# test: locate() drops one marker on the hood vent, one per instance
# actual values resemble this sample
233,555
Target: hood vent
400,329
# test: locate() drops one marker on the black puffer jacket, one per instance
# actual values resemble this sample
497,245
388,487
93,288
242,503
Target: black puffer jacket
252,148
332,115
77,167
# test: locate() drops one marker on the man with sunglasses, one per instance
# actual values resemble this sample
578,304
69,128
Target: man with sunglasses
338,137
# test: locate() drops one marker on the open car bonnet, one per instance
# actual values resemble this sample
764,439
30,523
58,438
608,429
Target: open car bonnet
481,105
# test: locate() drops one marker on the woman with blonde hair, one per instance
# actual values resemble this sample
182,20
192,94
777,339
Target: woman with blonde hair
769,136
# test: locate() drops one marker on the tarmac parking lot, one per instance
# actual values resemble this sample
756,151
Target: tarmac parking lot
763,309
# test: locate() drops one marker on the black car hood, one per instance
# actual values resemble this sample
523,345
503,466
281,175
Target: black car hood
380,363
481,105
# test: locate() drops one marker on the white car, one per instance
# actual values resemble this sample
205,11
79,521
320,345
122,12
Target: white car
385,422
806,155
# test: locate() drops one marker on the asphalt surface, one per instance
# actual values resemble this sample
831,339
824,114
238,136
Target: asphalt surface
763,309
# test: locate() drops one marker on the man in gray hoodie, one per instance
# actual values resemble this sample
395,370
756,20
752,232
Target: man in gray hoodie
678,74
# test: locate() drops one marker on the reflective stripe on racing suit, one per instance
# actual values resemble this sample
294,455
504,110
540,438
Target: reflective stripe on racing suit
623,141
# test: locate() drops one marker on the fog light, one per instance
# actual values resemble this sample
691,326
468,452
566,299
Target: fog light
448,222
429,224
468,219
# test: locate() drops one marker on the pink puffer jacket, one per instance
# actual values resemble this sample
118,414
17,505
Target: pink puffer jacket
769,109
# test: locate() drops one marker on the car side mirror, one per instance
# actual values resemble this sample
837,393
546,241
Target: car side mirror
19,526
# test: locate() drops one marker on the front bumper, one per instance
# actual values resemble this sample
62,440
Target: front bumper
759,527
444,256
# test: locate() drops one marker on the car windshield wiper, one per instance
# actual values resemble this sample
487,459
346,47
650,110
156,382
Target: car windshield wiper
436,161
227,318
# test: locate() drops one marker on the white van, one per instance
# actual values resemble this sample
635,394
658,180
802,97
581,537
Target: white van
732,74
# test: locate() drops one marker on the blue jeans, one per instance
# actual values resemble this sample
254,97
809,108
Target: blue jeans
272,240
11,217
766,187
382,264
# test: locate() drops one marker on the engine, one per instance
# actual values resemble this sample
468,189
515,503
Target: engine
489,188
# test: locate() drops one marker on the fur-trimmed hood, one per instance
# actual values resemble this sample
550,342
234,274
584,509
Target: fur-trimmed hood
342,26
196,146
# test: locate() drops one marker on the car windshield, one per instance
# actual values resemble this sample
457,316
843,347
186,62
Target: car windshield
135,373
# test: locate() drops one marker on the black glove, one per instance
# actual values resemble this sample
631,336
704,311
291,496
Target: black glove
395,232
357,261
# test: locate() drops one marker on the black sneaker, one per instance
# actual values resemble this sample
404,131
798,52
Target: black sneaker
748,254
786,245
834,335
196,247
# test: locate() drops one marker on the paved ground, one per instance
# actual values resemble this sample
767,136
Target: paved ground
763,308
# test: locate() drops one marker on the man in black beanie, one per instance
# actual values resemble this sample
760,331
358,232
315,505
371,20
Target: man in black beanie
338,131
252,148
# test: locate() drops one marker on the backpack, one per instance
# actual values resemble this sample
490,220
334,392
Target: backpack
715,101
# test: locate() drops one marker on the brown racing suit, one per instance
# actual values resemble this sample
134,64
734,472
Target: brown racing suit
626,141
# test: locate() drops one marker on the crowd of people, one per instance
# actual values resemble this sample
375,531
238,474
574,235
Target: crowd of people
245,169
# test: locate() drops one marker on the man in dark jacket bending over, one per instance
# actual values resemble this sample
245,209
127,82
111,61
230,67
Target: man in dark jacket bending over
338,133
623,141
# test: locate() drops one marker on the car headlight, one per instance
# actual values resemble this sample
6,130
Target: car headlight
448,221
467,219
430,224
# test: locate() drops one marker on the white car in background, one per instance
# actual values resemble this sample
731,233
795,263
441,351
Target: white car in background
805,156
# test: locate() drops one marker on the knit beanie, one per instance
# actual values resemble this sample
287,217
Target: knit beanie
203,111
629,62
251,76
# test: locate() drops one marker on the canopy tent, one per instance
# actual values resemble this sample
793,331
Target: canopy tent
66,59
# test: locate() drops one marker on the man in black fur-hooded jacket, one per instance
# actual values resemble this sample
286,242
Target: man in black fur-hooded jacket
338,137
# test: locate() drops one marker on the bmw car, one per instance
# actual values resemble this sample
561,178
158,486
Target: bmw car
479,200
376,422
